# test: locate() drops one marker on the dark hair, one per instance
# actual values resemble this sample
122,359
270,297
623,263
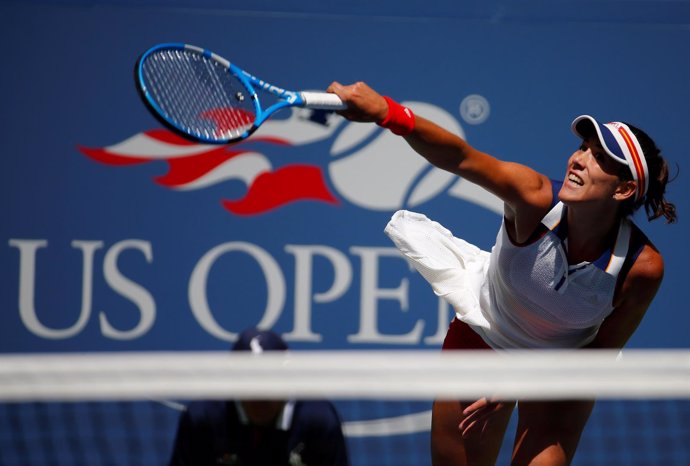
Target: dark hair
654,202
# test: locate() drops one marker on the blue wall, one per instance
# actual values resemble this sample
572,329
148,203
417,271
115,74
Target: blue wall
108,246
110,241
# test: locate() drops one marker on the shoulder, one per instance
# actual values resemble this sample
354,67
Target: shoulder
317,412
636,290
522,220
648,263
648,269
644,268
213,411
317,427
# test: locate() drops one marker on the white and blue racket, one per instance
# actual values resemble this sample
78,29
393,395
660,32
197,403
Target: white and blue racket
204,97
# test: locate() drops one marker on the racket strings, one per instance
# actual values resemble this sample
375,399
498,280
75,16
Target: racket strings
198,94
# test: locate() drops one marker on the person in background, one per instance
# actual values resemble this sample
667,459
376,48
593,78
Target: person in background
260,432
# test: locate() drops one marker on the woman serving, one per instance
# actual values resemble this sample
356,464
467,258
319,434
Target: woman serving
569,268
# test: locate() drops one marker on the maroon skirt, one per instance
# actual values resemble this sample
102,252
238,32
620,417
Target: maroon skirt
461,336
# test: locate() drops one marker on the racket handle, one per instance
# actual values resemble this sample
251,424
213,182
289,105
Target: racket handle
322,100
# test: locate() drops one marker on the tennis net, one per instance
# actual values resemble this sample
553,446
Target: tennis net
123,408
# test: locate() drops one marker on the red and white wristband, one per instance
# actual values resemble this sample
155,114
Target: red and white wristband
400,119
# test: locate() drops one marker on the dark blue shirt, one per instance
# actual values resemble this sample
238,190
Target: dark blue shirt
212,433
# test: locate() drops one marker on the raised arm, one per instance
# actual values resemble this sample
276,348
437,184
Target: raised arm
526,193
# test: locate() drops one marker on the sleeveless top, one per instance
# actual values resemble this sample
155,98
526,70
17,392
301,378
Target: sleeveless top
538,300
519,296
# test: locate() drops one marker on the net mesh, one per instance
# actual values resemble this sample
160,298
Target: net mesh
638,424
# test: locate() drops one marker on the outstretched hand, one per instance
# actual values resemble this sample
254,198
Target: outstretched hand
363,103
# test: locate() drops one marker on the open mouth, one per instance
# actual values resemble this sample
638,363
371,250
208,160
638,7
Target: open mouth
572,177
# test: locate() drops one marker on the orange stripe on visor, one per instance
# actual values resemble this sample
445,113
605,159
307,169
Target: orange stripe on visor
635,158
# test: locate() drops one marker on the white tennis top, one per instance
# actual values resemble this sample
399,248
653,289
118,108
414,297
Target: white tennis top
524,296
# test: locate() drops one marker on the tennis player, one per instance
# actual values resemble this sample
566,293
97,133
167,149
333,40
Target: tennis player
260,432
569,268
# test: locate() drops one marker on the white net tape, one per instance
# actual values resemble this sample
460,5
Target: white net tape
407,375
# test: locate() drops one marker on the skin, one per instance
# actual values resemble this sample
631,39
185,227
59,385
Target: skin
471,432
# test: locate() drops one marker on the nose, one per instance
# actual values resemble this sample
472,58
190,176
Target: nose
580,157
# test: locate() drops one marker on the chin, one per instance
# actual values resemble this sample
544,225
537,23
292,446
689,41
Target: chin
565,193
570,193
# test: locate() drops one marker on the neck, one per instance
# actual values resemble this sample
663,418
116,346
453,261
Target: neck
590,233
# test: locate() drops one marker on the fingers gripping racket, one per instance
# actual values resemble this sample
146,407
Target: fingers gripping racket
204,97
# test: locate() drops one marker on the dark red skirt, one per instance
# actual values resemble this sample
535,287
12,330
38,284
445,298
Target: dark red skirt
461,336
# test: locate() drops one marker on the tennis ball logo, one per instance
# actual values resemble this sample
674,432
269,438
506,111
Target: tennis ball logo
375,169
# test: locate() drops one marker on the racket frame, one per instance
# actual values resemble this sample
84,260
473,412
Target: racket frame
250,82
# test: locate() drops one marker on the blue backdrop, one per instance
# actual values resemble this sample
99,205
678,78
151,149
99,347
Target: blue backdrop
117,236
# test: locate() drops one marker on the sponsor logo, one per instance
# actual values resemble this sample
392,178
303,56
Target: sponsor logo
362,165
474,109
303,157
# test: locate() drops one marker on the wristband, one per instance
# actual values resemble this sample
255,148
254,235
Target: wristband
399,119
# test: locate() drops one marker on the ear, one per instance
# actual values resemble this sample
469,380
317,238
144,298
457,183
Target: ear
625,190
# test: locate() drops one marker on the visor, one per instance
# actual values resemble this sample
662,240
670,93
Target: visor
619,143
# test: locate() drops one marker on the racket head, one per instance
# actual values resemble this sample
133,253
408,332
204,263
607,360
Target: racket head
196,93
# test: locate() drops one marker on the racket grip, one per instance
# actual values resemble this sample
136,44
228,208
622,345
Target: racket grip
322,100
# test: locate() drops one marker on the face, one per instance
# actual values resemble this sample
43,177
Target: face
592,176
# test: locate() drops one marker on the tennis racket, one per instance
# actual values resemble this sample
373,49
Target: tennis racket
205,98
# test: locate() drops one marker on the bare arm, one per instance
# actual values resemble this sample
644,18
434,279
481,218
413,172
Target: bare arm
525,192
633,298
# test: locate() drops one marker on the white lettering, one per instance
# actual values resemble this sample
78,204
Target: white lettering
27,287
128,289
197,287
370,294
314,265
304,265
